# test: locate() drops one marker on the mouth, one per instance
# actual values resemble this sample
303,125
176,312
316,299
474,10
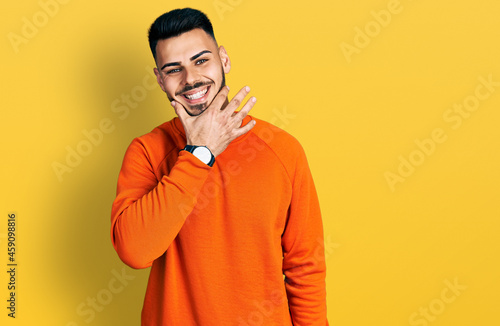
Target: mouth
197,95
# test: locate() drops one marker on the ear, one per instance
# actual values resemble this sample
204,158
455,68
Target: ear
159,79
226,63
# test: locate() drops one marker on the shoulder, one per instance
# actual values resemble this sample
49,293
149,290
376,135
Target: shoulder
276,138
285,146
157,143
161,135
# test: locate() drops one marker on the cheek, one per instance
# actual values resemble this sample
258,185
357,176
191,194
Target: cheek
216,73
171,86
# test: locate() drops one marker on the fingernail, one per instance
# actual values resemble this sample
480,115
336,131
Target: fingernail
172,103
247,89
227,87
254,99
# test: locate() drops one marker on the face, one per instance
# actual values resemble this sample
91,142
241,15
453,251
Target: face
190,69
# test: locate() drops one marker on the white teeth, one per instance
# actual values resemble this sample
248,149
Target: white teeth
197,95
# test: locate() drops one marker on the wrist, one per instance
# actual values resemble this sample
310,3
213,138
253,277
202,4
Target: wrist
202,153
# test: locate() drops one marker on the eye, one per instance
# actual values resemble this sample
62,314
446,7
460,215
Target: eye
199,62
171,71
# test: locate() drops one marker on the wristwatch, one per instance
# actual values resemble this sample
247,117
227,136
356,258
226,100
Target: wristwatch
202,153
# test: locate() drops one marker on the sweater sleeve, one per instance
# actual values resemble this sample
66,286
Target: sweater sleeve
303,251
147,215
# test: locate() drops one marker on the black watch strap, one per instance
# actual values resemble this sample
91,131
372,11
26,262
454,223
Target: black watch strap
209,161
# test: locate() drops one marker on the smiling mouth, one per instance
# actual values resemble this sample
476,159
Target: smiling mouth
197,96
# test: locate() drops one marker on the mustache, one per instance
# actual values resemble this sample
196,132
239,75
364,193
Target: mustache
188,87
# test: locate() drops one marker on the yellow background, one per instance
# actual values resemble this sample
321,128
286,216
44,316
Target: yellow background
392,249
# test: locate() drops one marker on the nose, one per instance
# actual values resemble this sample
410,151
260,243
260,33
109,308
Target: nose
190,76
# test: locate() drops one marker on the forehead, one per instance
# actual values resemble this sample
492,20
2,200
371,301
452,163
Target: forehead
184,46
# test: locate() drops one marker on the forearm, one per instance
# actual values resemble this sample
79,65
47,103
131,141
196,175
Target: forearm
306,290
304,267
145,222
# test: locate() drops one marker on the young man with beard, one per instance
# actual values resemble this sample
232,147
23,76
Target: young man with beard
219,204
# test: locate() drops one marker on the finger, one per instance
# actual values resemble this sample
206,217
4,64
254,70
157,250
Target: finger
246,108
219,99
237,100
180,110
243,130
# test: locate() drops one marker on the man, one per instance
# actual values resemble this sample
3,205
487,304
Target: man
221,205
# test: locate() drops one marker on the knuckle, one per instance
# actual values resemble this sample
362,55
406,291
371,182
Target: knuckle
222,94
236,102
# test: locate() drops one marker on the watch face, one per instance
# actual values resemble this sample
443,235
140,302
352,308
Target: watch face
203,154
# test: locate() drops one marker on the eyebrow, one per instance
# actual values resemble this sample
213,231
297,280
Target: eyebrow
177,63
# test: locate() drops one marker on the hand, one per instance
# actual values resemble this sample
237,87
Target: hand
216,128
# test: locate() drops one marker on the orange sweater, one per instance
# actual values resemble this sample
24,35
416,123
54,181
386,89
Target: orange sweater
219,239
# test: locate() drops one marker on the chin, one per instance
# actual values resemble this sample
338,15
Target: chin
194,109
197,109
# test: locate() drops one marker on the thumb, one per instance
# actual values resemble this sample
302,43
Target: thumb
179,110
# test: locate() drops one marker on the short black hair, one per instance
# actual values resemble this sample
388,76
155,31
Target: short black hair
177,22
